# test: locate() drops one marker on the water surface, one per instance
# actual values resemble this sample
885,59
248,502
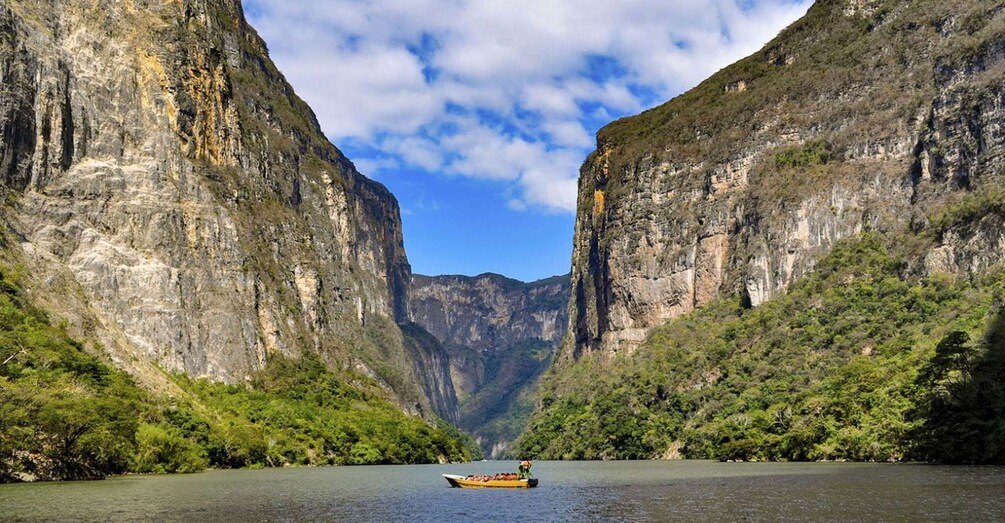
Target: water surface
569,491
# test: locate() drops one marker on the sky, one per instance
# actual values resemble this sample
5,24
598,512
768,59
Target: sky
477,114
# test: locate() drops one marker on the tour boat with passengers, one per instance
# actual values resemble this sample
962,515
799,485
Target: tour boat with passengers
496,481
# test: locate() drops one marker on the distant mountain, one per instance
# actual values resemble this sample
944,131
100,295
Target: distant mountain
501,334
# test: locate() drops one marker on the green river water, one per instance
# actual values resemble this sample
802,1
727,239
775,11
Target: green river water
568,491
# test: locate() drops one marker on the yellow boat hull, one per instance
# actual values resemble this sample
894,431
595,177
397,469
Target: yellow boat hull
463,482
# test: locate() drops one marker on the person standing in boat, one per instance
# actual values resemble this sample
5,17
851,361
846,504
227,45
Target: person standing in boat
523,471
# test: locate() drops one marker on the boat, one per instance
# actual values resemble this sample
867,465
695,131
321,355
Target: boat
465,482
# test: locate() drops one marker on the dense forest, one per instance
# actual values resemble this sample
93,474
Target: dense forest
856,362
66,414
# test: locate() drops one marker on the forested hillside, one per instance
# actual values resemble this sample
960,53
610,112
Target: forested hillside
853,363
66,414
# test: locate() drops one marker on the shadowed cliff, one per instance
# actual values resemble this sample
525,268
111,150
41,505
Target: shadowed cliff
501,334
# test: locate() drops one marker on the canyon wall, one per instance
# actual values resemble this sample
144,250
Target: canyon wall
501,335
177,202
876,115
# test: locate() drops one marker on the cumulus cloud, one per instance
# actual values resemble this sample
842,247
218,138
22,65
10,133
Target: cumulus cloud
568,133
414,150
509,92
374,166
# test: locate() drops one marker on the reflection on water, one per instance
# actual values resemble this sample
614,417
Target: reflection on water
569,491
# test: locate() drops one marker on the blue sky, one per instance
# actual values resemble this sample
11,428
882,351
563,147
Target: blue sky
477,114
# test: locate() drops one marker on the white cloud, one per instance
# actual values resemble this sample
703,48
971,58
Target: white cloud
550,100
516,204
359,93
506,91
486,153
420,152
372,167
568,133
553,185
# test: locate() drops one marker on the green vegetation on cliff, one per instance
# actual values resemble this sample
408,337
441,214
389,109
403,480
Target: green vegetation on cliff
65,414
841,367
499,411
297,412
501,335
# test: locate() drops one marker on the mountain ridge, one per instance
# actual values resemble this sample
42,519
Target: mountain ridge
500,334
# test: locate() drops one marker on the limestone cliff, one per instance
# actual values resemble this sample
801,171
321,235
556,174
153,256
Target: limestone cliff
500,334
179,204
881,115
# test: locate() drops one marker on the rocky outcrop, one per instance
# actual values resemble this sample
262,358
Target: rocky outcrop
474,316
179,202
881,115
431,360
501,334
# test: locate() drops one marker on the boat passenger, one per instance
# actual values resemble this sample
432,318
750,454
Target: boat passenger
523,471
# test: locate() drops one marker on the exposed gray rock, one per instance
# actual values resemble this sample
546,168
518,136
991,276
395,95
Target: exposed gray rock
166,175
432,370
880,115
501,334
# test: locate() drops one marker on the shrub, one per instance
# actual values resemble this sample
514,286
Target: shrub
162,448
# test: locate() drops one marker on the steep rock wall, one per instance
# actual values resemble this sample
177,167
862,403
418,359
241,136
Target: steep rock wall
500,334
881,115
163,177
474,316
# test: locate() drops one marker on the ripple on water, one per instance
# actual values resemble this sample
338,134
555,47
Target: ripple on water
569,491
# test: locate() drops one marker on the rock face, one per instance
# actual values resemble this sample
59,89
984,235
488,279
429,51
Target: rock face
432,370
179,202
882,115
500,334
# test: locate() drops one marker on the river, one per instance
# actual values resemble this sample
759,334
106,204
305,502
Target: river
568,491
